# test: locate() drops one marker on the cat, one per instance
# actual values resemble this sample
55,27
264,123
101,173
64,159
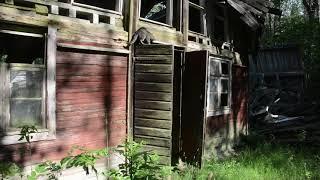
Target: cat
143,35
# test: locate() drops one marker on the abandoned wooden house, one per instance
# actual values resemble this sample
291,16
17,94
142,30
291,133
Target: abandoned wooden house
67,68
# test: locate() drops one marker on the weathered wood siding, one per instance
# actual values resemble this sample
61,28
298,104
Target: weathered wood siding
222,132
153,98
91,106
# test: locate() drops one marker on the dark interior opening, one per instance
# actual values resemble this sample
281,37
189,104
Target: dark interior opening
21,49
110,4
195,1
218,30
224,99
194,20
225,68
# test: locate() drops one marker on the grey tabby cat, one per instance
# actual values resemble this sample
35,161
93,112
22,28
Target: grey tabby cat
143,35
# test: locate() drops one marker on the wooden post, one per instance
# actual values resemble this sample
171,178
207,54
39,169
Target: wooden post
169,12
185,21
54,9
226,24
95,18
119,5
203,19
72,13
51,79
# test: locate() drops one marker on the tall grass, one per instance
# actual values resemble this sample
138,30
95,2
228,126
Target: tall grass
261,162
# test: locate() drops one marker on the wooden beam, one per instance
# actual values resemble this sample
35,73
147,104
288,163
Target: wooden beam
185,21
94,48
51,78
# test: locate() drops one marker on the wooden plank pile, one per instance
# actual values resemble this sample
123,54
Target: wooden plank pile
289,120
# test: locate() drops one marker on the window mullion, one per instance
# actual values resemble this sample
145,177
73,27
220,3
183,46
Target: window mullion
119,5
169,12
203,18
1,97
6,95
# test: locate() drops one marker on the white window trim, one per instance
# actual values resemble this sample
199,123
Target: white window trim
226,109
50,132
118,7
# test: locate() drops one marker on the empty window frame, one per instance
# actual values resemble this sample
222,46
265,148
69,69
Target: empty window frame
158,10
197,19
114,5
219,86
24,74
219,21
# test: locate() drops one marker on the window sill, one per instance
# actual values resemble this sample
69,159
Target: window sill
156,22
97,8
12,137
219,112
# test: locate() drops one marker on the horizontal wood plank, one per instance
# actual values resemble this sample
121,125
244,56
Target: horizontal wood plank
149,140
153,87
152,123
162,151
155,105
154,59
156,96
152,77
155,132
152,114
154,49
153,68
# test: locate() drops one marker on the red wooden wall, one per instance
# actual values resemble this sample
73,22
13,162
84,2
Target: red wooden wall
222,131
91,106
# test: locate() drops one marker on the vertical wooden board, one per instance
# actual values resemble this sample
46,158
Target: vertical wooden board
153,87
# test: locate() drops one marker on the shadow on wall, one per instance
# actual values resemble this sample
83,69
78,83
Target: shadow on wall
90,105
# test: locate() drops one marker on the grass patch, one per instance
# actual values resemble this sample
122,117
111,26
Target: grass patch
261,162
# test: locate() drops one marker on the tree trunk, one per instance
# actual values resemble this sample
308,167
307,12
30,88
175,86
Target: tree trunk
311,8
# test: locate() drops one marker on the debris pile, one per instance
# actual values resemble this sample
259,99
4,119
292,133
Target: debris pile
280,113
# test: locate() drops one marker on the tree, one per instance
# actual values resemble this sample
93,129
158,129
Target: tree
311,8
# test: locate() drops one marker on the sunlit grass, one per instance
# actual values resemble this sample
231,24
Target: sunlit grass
262,162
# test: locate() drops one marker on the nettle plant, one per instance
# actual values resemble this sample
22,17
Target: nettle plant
138,164
86,159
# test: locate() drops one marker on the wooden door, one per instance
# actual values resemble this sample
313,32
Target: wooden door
153,98
193,105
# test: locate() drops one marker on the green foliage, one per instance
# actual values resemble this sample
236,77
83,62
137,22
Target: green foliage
85,159
26,133
139,164
295,28
8,170
263,161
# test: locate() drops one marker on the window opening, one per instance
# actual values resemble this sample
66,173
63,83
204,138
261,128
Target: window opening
219,90
197,16
110,4
23,73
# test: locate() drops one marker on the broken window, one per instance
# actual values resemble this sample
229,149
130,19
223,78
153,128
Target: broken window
22,69
219,90
158,10
197,16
